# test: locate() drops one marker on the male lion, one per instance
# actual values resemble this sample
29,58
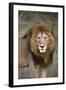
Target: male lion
40,47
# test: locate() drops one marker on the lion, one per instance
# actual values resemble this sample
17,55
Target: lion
40,45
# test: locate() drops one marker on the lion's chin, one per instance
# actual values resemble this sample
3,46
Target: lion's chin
42,50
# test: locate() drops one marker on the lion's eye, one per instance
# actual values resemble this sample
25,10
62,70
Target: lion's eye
38,37
45,38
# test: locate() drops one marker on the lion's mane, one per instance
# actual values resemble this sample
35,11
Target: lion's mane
43,59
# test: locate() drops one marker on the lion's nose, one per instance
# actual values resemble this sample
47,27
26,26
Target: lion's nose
41,46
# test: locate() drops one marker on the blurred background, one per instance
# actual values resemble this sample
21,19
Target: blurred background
27,19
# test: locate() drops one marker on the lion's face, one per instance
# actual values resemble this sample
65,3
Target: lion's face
42,42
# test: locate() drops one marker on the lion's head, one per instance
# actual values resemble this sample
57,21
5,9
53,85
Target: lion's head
41,42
